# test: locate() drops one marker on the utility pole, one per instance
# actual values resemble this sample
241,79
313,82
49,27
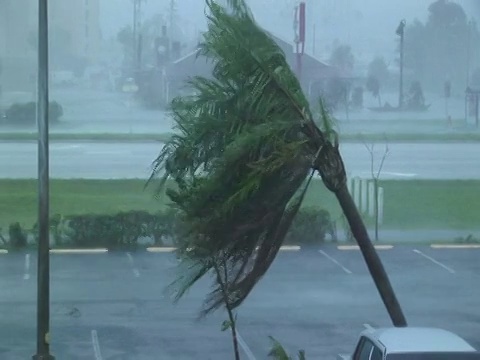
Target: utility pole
469,40
401,32
173,11
43,270
137,37
299,26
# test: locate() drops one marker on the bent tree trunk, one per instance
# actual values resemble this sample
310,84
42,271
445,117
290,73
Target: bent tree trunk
330,166
374,264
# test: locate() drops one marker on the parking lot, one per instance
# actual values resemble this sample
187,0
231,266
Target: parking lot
113,305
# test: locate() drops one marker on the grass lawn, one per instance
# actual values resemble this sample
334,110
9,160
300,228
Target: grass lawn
409,204
18,198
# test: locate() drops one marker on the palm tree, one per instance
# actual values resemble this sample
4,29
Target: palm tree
246,149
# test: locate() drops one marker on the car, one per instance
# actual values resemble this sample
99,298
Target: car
411,343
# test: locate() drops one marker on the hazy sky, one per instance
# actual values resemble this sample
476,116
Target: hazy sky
368,25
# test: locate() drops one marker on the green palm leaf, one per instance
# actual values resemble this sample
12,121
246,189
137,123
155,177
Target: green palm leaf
244,147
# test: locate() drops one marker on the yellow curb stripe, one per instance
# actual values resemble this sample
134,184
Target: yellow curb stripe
356,247
78,251
456,246
171,249
161,249
290,248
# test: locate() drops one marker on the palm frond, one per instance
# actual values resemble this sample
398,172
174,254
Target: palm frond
245,144
278,352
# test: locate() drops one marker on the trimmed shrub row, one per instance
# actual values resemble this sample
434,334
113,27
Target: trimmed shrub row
137,228
25,113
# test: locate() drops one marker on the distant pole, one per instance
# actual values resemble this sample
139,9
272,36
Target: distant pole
314,38
300,26
43,271
469,39
401,32
134,35
136,45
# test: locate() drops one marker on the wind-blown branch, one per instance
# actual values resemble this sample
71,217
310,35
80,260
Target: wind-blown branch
245,146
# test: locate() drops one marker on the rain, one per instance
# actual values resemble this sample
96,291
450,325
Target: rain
139,203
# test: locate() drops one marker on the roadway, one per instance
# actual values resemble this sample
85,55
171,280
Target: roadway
104,160
114,305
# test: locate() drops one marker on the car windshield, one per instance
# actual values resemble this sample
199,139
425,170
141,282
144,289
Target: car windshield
435,356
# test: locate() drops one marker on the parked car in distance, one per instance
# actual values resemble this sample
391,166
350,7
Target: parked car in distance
411,343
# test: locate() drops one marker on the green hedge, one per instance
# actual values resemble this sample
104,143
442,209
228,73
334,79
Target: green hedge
125,229
25,113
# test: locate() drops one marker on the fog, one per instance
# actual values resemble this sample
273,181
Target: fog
346,21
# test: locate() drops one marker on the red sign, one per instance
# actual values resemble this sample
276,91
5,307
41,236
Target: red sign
302,22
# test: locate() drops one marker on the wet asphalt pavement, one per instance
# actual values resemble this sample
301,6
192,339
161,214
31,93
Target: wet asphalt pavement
114,305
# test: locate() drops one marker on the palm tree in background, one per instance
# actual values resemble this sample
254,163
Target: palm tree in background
246,149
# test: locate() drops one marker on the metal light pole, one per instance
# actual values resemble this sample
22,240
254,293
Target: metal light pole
401,32
299,26
469,39
43,271
137,34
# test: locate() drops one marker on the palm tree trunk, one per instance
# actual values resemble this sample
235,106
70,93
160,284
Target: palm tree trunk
374,264
233,328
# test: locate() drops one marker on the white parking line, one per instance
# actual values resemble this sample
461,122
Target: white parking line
245,347
96,346
26,275
136,273
334,261
449,269
3,251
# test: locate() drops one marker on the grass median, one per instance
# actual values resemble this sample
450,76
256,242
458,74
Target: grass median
128,137
409,204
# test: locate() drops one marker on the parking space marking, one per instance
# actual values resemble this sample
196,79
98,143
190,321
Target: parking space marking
245,347
96,346
166,249
356,247
335,261
455,246
26,274
161,249
449,269
3,251
136,273
78,251
290,248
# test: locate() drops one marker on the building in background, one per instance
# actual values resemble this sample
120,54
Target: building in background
75,29
17,55
75,42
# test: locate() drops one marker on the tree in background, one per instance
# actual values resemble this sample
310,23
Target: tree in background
442,47
475,78
343,58
246,150
377,74
337,91
357,97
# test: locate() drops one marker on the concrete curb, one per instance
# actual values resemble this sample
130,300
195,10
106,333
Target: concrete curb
289,248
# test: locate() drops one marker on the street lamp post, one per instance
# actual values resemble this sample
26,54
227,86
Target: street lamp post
137,34
401,32
43,270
